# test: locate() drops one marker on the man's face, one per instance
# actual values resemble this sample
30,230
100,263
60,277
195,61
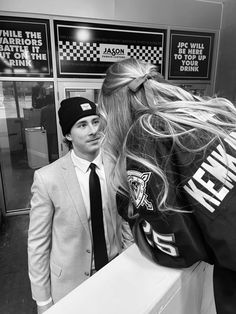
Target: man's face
85,137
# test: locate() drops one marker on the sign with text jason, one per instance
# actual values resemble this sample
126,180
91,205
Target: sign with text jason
87,50
24,47
190,55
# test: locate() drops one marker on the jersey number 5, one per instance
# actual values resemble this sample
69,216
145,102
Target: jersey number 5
164,242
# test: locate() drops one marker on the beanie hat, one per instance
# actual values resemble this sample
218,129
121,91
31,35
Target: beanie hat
73,109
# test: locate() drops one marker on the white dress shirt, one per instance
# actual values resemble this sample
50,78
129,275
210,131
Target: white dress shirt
82,172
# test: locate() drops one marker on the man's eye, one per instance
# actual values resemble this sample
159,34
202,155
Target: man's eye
82,125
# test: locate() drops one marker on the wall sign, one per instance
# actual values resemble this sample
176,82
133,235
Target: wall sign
25,47
190,55
87,50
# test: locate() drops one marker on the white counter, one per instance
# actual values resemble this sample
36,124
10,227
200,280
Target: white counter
131,284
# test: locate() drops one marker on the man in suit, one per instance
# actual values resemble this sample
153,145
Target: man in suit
60,245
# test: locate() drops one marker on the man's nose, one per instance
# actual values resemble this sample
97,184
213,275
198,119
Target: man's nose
93,128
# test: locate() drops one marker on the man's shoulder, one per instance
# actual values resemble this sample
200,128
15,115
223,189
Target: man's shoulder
56,165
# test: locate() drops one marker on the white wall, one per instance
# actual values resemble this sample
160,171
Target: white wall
184,13
77,8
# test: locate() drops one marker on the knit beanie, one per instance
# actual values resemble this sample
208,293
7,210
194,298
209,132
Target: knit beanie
73,109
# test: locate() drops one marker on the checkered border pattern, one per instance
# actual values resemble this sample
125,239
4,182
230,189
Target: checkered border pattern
73,51
151,54
78,51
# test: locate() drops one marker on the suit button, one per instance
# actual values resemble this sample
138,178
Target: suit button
88,251
86,273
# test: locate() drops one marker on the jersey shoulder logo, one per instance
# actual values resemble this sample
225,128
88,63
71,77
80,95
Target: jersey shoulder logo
137,184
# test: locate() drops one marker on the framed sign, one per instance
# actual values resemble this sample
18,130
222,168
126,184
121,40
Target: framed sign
87,50
190,55
25,47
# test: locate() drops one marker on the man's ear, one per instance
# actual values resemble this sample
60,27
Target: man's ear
68,137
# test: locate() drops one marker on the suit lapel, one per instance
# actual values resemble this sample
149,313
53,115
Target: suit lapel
74,190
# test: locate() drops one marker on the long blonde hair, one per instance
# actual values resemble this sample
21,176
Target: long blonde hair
134,92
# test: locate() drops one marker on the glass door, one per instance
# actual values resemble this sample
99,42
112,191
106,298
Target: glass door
28,139
89,90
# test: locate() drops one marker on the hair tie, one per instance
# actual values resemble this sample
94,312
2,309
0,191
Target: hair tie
142,80
137,82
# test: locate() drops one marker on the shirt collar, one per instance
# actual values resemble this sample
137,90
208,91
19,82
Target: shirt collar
84,164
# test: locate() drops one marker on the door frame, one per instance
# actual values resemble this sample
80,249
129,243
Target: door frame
2,197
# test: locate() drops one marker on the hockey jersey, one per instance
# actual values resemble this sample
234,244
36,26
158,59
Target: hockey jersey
202,192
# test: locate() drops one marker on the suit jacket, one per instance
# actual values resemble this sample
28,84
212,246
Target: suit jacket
59,239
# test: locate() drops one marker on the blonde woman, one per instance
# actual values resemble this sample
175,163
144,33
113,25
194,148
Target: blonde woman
174,156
